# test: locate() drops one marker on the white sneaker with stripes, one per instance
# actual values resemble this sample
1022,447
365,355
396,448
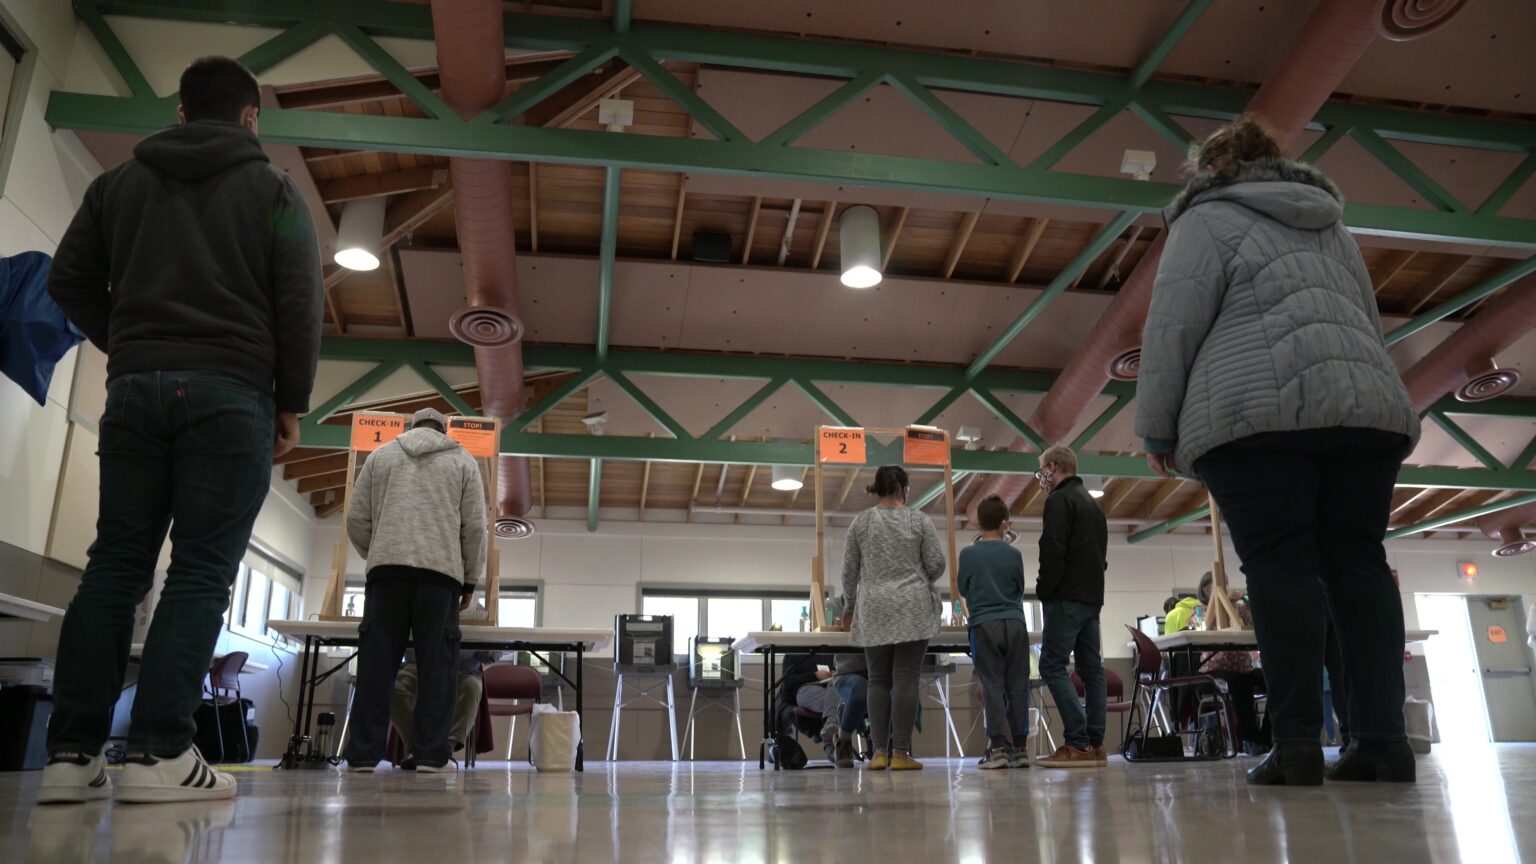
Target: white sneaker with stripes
188,777
74,778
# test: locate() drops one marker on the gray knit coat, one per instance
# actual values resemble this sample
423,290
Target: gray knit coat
891,562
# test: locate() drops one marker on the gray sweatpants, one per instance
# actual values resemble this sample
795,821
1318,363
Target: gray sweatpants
893,674
1001,653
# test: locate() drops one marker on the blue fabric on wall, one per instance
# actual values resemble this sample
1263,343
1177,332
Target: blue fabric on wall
34,334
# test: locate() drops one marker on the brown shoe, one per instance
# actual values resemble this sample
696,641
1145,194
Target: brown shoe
1099,754
1067,756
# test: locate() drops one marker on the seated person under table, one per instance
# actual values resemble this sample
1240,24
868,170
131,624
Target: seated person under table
1236,668
803,684
850,684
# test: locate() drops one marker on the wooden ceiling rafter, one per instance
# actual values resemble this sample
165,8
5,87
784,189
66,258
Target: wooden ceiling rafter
892,237
957,244
1033,230
828,213
1394,267
752,216
1438,280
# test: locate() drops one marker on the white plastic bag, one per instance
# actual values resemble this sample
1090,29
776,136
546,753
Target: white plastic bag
553,741
1418,717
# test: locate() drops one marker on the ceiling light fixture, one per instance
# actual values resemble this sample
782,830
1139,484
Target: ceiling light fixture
786,478
858,231
1096,487
359,239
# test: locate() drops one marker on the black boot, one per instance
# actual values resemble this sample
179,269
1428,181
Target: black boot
1289,764
1381,761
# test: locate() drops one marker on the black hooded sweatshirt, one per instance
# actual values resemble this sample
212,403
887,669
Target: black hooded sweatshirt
197,254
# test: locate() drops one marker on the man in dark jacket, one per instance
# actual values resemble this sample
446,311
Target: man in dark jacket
194,267
1073,557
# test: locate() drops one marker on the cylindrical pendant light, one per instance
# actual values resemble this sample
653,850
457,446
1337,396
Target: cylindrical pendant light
359,239
786,478
859,238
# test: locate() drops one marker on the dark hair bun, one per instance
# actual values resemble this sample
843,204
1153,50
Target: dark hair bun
1243,140
889,480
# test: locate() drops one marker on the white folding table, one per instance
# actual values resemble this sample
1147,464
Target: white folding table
18,609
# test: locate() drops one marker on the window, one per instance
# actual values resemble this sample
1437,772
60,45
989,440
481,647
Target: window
265,590
236,612
277,604
723,614
17,58
518,606
685,618
785,614
733,616
255,619
352,604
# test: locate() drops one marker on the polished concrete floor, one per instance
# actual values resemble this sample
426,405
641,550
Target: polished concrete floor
1475,805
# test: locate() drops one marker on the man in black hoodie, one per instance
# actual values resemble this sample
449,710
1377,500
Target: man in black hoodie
194,267
1073,557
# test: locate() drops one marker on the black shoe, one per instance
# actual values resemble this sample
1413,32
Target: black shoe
1289,764
409,764
1379,761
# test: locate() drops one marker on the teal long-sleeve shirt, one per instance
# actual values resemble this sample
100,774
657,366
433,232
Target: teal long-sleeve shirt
992,582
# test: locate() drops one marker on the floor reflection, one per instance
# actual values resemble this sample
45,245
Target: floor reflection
1470,805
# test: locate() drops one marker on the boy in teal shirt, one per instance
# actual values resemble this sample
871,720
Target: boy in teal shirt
992,583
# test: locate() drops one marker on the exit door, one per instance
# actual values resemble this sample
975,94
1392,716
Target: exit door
1504,661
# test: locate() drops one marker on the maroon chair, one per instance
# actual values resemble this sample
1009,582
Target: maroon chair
1150,684
1116,692
224,680
513,691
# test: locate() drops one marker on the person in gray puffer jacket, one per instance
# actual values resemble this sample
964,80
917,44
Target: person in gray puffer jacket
1264,375
418,515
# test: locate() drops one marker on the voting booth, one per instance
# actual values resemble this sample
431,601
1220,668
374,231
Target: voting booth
370,431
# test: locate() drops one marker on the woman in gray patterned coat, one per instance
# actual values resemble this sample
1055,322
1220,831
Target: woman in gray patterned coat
1263,374
891,563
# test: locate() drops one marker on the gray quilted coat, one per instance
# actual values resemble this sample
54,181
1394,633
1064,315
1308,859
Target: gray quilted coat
1263,319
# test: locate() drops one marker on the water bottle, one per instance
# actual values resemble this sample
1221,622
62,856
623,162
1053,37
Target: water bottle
325,725
805,618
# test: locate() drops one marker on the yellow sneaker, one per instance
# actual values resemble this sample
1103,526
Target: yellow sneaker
879,761
905,762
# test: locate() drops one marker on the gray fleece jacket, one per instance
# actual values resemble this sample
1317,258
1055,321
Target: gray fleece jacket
420,502
1263,319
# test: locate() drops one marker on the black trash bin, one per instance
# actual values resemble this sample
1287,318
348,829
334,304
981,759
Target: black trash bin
24,712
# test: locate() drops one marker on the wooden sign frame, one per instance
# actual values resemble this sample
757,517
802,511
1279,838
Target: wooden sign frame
1220,613
474,431
818,561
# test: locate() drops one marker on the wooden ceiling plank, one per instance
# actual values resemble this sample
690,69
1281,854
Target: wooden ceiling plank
359,186
1123,489
1026,247
677,216
957,245
533,206
827,215
322,482
1432,286
693,498
893,237
1401,260
842,497
746,246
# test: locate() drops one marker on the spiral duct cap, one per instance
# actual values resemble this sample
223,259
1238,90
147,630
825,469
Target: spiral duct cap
1402,20
513,528
485,327
1518,547
1126,365
1487,385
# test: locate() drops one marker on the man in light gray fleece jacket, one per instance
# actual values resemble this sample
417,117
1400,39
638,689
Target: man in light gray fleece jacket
418,516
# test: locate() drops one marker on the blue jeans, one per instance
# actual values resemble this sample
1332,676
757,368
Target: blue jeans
1072,628
853,690
184,452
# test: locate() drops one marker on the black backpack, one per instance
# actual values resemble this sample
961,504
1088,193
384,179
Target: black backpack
786,752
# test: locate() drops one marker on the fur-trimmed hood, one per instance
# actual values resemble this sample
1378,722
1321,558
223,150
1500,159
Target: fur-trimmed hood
1294,193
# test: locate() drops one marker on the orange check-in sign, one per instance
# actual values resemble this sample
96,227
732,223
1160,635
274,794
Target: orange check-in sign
926,447
840,444
372,431
476,435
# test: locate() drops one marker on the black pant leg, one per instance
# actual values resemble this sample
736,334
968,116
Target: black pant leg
1016,681
382,638
987,640
1338,681
435,627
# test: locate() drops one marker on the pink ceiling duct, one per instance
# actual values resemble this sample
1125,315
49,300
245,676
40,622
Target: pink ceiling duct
1466,353
1332,41
471,54
1505,526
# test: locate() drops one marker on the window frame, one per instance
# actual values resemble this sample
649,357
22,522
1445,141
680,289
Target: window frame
14,41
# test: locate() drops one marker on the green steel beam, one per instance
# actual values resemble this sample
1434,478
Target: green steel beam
1523,409
1523,461
817,114
594,490
1409,173
450,138
1165,45
1080,133
548,85
825,402
1518,270
1058,286
1467,442
1164,527
648,405
1014,421
935,491
350,392
937,109
726,423
703,114
1509,187
385,64
1161,123
612,180
1324,144
436,382
1463,516
1098,425
942,405
831,59
582,378
122,61
621,16
282,46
